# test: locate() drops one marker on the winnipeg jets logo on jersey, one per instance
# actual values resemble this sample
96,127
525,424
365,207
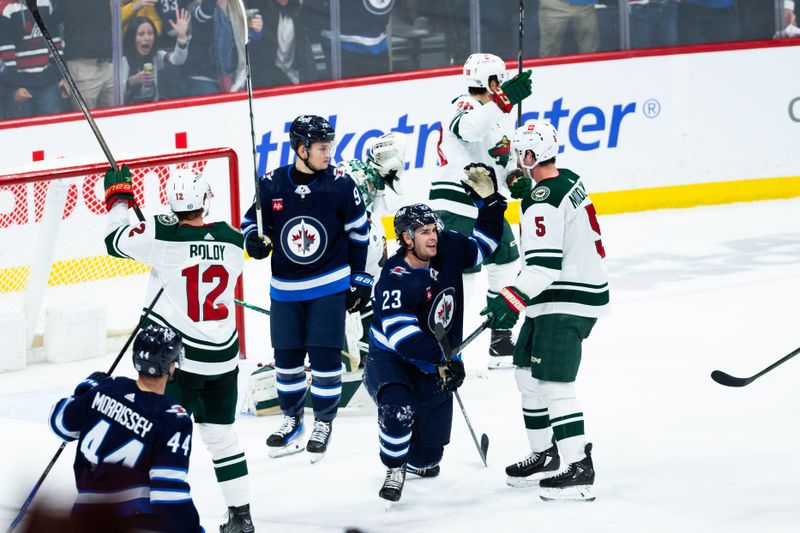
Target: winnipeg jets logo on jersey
303,240
443,309
378,7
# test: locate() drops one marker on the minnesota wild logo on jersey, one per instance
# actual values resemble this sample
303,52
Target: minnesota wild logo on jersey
501,151
303,239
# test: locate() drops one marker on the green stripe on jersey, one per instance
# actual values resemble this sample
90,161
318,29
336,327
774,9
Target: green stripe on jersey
220,232
449,194
596,299
553,263
550,251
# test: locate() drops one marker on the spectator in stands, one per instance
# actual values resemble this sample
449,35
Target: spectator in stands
142,62
653,23
34,85
790,28
364,45
557,16
87,32
216,58
283,55
708,21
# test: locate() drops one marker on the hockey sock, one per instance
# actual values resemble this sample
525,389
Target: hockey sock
395,419
230,464
290,380
566,418
326,381
534,411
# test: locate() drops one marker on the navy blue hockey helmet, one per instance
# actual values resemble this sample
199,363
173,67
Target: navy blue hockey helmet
155,348
307,129
411,217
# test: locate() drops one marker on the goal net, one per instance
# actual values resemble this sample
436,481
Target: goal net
52,229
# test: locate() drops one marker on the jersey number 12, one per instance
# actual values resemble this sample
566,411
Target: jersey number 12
210,310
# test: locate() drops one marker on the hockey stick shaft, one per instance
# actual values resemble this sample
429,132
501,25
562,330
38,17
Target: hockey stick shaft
444,345
726,379
472,336
519,54
76,94
251,306
471,430
249,83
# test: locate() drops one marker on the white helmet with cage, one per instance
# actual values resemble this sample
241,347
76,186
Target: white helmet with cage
188,191
539,137
388,157
480,67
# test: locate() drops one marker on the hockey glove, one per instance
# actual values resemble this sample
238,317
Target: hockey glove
481,184
518,88
451,375
257,248
521,188
360,292
504,310
118,186
89,383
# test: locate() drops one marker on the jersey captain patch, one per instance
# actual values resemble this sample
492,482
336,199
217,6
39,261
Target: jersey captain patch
304,239
443,309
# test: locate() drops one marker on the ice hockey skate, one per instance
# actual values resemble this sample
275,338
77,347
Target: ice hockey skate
501,349
238,520
287,439
318,441
427,471
574,484
533,468
392,488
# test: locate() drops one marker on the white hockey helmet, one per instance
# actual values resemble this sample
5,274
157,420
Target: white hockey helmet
539,137
187,191
480,67
388,157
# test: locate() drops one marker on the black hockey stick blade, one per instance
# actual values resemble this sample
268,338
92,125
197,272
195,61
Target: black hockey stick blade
485,445
729,381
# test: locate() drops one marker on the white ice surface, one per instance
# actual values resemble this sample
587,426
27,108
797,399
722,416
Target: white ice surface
692,290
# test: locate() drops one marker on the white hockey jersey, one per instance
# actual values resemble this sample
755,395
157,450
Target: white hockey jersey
564,270
472,132
198,299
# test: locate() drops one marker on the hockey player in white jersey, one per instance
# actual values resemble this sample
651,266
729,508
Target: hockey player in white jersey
563,289
382,169
478,129
198,303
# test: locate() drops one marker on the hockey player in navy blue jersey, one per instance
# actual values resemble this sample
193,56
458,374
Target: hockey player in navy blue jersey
316,227
134,443
421,285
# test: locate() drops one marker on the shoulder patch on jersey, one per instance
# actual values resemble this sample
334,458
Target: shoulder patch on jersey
540,193
399,271
178,410
167,219
338,173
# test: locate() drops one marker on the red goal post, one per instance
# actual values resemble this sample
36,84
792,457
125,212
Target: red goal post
52,225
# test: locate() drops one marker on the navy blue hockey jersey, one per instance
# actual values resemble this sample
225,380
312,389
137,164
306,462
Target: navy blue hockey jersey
409,302
133,452
319,233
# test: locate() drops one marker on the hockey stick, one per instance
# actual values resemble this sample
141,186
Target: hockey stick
519,55
147,311
444,344
34,9
730,381
251,306
249,85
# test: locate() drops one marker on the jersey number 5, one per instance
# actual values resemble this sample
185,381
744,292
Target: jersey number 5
596,227
210,310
